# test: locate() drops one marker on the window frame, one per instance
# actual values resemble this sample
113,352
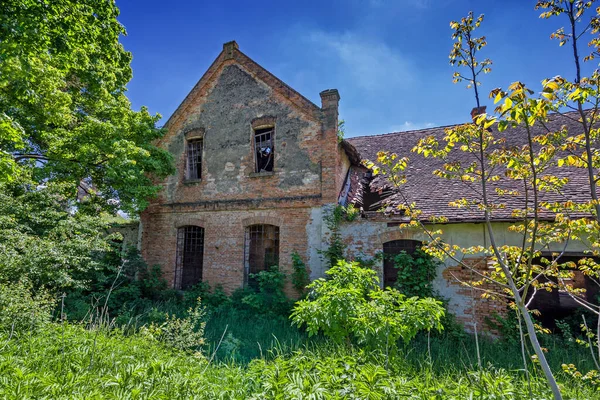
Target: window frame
255,158
185,238
407,245
199,151
260,230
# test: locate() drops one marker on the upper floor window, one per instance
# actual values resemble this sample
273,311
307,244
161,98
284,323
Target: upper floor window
194,160
264,149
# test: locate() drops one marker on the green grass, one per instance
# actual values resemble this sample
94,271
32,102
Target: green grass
60,362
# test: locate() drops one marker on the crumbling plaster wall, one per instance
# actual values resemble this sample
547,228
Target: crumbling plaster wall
365,238
230,195
225,113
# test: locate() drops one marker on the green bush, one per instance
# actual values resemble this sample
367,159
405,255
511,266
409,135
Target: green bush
181,333
268,297
23,309
415,273
349,305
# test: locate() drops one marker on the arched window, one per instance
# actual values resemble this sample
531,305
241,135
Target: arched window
261,249
190,256
391,249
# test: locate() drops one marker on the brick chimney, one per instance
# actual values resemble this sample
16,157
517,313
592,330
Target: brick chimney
331,157
477,111
229,48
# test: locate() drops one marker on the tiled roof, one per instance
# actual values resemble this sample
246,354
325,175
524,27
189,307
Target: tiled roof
432,194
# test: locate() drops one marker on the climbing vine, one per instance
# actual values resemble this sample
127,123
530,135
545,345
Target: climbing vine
415,273
300,277
335,246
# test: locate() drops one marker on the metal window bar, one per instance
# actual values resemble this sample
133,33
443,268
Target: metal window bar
264,149
261,250
189,257
194,159
390,250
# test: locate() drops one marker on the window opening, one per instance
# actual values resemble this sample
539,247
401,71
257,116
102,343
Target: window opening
194,159
557,304
390,250
190,256
261,250
264,149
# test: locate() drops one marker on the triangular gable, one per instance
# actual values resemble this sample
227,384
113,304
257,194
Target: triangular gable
231,52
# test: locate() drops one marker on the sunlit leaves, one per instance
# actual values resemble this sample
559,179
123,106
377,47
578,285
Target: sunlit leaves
63,109
465,48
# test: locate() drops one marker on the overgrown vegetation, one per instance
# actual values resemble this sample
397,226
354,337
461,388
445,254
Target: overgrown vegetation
335,245
350,306
300,277
415,273
80,319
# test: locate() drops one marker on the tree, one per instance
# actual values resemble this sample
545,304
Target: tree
495,169
581,148
63,111
72,151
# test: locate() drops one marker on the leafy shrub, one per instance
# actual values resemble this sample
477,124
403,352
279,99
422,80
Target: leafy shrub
21,309
300,277
181,333
415,273
135,285
350,305
351,212
268,297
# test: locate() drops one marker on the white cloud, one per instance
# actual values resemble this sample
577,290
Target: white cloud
371,65
411,126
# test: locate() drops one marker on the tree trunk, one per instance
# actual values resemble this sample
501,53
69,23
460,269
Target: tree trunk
538,351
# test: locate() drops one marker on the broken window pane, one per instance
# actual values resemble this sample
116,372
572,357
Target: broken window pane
194,159
190,256
390,250
264,149
261,249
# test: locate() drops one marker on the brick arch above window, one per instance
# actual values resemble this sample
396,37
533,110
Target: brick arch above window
261,122
196,133
183,220
262,220
398,234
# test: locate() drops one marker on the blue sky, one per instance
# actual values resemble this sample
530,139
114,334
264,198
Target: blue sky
388,59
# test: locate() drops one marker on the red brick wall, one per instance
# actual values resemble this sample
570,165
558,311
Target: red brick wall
477,308
223,241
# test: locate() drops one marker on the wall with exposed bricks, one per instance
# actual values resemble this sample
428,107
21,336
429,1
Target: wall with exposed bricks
365,237
234,96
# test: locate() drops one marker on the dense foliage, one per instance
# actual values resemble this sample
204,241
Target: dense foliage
415,273
350,305
43,239
63,109
55,363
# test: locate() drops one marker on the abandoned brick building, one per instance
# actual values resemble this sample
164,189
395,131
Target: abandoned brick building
258,168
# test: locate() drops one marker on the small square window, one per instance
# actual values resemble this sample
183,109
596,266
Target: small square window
194,160
264,149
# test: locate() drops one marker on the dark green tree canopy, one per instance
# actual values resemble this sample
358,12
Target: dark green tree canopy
64,116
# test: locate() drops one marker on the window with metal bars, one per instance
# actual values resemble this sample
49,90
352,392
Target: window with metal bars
194,160
261,250
190,256
264,149
390,250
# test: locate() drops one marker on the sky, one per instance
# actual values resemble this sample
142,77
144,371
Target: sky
387,58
